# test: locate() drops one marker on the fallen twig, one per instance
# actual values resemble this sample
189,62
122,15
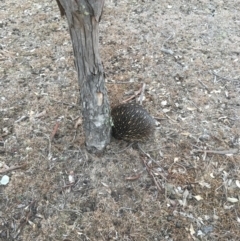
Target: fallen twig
25,220
133,96
41,114
13,168
54,131
66,186
142,93
65,103
167,51
119,83
151,174
21,119
140,148
223,152
224,78
128,146
203,85
133,178
49,143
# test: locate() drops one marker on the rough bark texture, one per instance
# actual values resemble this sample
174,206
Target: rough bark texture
83,18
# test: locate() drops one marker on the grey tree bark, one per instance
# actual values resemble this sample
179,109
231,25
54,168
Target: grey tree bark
83,18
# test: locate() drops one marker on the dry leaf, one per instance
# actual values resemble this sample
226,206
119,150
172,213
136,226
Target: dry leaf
191,108
78,123
211,175
185,133
41,114
204,184
238,183
164,103
192,232
166,110
176,159
228,207
71,177
232,199
198,197
133,178
185,195
104,184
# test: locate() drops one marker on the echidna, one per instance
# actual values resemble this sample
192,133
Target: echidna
132,123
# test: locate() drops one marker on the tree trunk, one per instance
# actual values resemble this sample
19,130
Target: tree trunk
83,17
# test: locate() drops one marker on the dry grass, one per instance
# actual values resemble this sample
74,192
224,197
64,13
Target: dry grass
188,56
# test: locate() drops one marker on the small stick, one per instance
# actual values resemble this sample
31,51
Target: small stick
128,146
25,219
203,85
224,78
13,168
119,83
146,154
167,51
133,178
175,163
41,114
66,186
133,96
152,161
224,152
49,143
151,174
64,103
54,131
21,119
142,93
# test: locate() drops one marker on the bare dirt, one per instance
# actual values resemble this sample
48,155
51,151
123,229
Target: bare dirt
187,184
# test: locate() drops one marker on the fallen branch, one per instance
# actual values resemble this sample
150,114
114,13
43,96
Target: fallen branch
64,103
29,213
223,152
142,93
203,85
160,189
54,131
167,51
224,78
133,178
13,168
135,95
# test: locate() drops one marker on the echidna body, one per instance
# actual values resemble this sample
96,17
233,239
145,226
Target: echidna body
132,123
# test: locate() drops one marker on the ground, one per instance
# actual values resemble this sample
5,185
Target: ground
182,185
